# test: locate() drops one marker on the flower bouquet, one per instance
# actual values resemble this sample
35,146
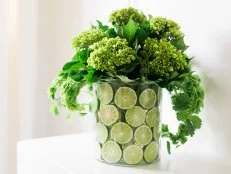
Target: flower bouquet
127,64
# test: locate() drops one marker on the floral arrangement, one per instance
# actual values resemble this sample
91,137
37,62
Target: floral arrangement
134,48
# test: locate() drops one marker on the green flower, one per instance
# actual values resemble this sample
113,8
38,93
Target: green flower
121,17
111,53
165,28
87,38
162,58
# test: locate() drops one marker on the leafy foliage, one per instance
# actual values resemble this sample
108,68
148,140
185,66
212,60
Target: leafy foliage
74,75
109,31
129,30
179,44
187,100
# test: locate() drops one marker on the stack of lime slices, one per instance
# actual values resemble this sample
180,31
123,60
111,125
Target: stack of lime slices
128,124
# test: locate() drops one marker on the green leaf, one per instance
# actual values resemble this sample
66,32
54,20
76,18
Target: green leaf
128,68
91,78
110,31
183,139
125,79
51,92
68,65
182,116
141,35
129,30
101,26
77,77
165,128
54,110
196,121
119,31
179,44
145,26
81,56
169,147
190,128
181,101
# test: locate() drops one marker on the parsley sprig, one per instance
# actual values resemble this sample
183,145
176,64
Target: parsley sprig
187,100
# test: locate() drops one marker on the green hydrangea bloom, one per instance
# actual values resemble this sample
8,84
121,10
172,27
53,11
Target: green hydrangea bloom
111,53
165,28
122,16
162,58
87,38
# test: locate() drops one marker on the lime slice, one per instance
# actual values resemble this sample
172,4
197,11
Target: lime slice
156,133
159,95
132,154
111,152
135,116
104,93
122,133
151,152
153,117
109,114
125,98
147,98
101,133
143,135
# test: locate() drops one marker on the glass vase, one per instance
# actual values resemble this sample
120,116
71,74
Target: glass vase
128,123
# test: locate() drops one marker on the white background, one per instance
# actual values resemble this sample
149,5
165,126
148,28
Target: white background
35,42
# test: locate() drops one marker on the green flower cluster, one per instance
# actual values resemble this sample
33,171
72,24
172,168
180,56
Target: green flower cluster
122,16
162,58
87,38
111,53
165,28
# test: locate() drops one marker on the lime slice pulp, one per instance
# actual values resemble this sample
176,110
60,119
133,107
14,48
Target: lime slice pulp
153,118
151,152
132,154
101,133
109,114
135,116
104,93
125,98
147,98
111,152
121,133
156,133
159,95
143,135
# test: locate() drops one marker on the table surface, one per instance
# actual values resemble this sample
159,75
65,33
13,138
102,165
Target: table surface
74,154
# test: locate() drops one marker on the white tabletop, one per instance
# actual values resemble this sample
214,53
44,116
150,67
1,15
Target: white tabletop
74,154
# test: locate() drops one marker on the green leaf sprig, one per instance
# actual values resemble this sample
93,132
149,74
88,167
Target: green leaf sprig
187,100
